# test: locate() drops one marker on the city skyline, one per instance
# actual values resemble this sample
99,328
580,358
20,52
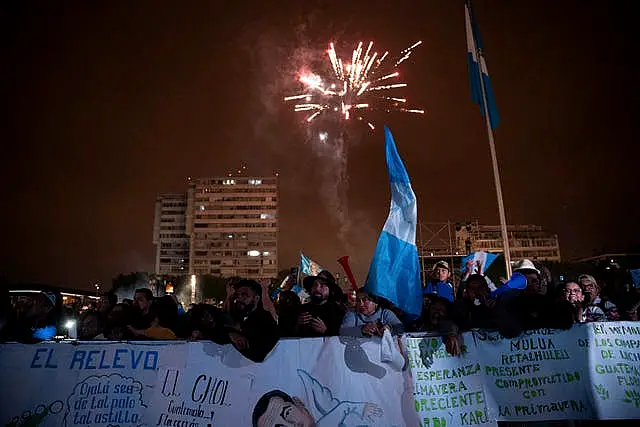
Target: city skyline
112,105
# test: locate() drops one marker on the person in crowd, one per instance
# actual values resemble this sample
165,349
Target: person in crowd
254,332
438,318
36,319
583,311
107,302
369,318
164,314
208,323
520,305
89,326
322,315
266,301
182,325
632,312
440,284
115,326
473,308
142,302
592,290
287,306
528,269
7,315
417,324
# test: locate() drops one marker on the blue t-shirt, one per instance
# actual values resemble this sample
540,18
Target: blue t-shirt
441,289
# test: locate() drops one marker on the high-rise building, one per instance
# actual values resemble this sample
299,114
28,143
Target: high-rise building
525,241
232,223
170,235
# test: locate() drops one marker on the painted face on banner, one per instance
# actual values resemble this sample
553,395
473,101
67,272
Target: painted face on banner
281,413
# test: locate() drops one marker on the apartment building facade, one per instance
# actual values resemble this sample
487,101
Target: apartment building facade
232,223
170,235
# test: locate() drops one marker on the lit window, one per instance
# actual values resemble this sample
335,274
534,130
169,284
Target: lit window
266,253
229,182
253,253
229,236
266,216
201,207
255,181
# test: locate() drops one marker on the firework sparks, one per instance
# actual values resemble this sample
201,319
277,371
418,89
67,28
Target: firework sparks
354,88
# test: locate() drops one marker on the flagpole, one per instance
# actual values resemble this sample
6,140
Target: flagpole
496,171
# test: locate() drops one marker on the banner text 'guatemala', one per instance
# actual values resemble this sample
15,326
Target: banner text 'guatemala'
477,65
394,273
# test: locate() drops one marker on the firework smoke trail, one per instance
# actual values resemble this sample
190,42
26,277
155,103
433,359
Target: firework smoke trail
332,150
353,88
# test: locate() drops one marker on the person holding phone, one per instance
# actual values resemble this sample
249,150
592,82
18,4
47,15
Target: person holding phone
322,315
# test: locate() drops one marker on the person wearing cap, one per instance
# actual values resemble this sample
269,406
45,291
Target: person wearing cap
322,315
527,268
440,285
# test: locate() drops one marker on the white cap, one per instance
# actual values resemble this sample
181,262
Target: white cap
525,264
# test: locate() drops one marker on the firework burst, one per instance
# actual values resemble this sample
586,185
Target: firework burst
364,83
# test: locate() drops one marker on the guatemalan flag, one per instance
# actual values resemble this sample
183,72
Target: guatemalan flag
394,273
309,267
476,61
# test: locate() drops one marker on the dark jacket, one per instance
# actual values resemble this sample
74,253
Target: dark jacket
330,313
516,312
468,315
261,331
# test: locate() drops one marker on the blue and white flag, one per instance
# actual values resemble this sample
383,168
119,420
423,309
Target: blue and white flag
635,276
394,273
309,267
477,66
481,262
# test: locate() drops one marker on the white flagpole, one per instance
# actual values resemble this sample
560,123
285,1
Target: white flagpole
494,162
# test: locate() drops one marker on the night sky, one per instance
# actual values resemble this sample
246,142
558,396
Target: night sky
109,103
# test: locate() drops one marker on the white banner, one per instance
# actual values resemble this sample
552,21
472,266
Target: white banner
614,358
541,375
448,391
590,371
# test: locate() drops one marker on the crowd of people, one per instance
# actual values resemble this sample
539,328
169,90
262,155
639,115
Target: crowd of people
253,322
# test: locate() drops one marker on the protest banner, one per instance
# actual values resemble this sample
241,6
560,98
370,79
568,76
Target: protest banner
448,390
614,350
588,372
540,375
